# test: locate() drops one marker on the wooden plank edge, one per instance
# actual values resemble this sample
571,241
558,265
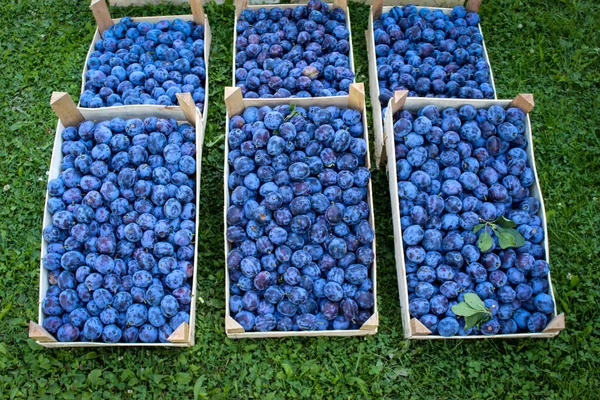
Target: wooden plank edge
207,44
486,57
395,104
181,334
398,252
349,26
62,345
380,152
524,101
65,109
37,332
101,15
418,329
302,334
538,335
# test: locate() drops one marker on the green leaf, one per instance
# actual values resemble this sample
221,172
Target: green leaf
5,310
475,302
293,112
505,239
505,222
484,317
476,319
16,126
199,390
519,240
471,321
478,227
288,368
573,282
464,310
183,378
485,241
95,377
510,237
33,345
362,385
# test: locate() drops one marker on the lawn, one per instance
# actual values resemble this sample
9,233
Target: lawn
548,48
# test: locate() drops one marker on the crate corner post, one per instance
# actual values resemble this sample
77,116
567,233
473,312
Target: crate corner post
556,324
232,326
418,329
187,106
399,99
372,324
65,109
197,11
356,96
343,4
377,9
473,5
234,101
524,101
240,5
181,334
37,332
101,15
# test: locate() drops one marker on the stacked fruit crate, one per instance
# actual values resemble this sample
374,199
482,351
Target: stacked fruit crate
119,242
292,118
470,232
119,246
421,84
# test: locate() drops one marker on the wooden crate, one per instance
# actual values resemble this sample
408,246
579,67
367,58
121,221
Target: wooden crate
235,104
125,3
376,10
241,5
104,21
413,328
69,115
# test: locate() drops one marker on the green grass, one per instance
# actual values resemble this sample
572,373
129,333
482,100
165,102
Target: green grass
549,48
